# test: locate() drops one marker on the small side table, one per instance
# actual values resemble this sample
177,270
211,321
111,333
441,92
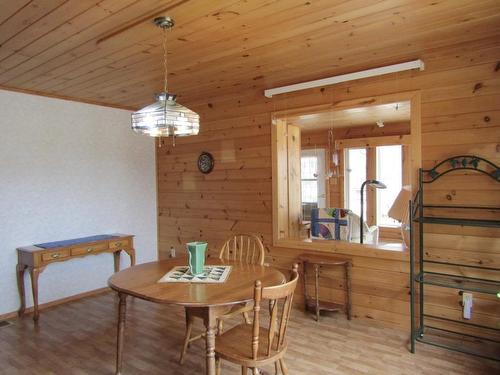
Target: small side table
315,304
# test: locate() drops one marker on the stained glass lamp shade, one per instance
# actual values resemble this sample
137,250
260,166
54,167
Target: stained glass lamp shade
166,118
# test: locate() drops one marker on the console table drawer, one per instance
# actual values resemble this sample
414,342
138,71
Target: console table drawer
82,250
120,244
55,255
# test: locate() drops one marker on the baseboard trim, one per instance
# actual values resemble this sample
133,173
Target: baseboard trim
29,310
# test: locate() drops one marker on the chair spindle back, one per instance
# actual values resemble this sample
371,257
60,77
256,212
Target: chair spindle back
246,248
280,299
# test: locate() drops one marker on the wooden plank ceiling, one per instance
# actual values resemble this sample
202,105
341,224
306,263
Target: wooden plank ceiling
368,115
108,51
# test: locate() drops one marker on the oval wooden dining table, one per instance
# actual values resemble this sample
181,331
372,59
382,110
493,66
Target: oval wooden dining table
208,300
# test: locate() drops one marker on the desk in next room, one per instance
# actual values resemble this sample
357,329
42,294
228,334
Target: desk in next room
36,257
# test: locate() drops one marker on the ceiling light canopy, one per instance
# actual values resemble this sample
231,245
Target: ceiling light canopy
165,117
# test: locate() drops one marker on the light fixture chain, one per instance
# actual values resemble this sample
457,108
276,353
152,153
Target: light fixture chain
165,59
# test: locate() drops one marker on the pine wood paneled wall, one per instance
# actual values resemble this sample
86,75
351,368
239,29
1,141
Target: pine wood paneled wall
460,115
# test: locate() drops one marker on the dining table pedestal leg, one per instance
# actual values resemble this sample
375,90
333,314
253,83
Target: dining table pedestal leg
122,311
210,321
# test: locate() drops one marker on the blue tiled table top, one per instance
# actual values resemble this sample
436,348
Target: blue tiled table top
75,241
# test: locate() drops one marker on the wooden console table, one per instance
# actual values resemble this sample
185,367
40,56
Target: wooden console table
315,304
36,257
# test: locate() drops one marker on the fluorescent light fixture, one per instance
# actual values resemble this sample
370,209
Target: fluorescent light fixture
410,65
309,116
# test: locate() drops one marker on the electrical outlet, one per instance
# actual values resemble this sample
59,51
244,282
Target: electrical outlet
172,252
467,305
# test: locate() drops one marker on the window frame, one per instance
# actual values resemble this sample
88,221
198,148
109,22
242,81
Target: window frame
285,140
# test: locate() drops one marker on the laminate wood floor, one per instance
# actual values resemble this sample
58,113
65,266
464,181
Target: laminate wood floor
79,338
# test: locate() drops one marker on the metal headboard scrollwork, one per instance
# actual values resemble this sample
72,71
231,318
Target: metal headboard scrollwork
461,162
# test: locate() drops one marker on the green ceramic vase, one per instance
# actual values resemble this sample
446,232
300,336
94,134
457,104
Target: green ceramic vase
196,255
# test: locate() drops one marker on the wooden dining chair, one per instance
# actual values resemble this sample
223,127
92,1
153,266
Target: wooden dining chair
252,346
245,248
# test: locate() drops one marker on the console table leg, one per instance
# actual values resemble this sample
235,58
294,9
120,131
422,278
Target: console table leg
122,311
20,285
116,258
131,254
34,273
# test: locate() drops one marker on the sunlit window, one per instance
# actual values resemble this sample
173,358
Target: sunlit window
313,182
355,168
309,177
389,171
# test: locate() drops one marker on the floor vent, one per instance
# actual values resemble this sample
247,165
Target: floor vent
5,323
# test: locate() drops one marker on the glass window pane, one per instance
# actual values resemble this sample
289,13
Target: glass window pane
355,175
389,171
309,191
309,167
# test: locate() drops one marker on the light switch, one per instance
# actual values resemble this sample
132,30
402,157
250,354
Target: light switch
467,305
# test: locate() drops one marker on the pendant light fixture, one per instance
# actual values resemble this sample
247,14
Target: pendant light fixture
165,117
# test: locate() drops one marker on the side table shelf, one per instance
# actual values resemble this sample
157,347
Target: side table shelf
312,304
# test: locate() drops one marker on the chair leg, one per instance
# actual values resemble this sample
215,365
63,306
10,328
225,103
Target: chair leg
217,365
276,368
187,337
244,370
246,318
284,369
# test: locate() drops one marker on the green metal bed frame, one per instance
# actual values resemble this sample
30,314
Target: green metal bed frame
419,277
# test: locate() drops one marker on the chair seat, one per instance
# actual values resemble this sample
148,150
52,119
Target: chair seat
236,310
235,344
231,311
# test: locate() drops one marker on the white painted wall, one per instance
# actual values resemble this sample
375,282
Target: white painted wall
70,170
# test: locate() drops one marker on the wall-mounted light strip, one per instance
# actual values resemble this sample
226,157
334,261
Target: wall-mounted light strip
410,65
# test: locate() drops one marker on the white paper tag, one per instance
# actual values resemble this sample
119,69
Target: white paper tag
467,305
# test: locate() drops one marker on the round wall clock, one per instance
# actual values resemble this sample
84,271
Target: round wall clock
205,162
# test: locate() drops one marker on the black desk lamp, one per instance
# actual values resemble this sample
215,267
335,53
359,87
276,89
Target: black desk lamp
376,184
